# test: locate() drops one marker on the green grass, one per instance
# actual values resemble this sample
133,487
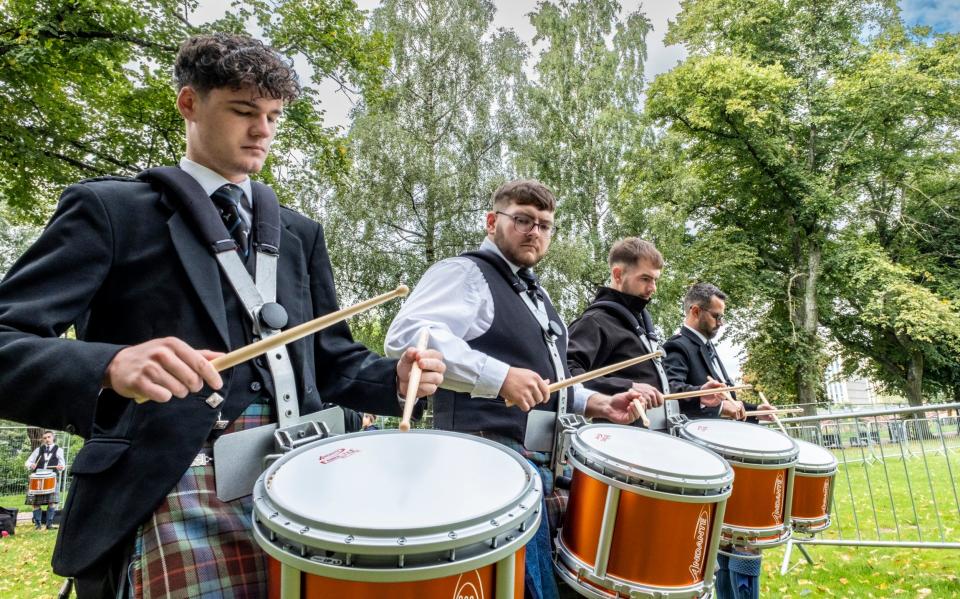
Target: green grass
25,564
837,572
873,571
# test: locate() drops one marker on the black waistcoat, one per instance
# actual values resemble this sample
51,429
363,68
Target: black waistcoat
516,338
51,460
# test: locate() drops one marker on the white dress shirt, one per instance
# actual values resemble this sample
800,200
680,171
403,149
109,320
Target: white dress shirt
211,181
36,456
454,301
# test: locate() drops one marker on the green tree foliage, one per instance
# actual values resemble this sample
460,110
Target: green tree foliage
581,116
783,114
85,87
429,151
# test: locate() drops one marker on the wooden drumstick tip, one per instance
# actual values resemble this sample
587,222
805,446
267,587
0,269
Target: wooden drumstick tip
402,290
643,413
404,426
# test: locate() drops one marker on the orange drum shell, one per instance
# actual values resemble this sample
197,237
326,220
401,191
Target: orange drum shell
464,585
758,498
42,484
656,542
811,495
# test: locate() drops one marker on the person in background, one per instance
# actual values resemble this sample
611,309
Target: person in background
47,456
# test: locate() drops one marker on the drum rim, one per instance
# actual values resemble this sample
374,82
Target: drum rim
820,468
570,567
439,569
523,512
738,454
582,453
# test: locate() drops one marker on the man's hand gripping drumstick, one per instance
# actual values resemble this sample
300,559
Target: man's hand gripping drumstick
414,384
160,369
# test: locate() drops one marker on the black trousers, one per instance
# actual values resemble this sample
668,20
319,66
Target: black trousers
108,580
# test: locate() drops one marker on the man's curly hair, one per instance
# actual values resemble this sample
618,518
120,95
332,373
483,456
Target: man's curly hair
207,62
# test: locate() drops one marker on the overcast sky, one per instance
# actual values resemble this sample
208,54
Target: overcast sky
941,15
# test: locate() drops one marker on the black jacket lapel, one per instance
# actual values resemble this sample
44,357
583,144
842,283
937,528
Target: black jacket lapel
202,271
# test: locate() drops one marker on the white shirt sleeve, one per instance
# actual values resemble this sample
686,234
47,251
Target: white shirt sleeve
580,396
453,300
32,459
60,458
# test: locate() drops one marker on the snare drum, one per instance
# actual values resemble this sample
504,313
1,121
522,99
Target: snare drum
418,515
813,488
763,460
644,514
42,482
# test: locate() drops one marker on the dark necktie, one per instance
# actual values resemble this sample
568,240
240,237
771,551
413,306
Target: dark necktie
227,200
526,275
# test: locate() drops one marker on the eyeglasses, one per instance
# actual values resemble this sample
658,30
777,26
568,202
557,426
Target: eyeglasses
717,317
524,224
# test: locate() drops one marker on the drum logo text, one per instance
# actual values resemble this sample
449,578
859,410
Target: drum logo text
700,534
778,498
466,589
602,437
339,454
826,494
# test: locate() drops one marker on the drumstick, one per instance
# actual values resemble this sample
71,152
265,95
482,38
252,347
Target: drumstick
414,383
258,348
643,413
702,392
589,376
776,420
248,352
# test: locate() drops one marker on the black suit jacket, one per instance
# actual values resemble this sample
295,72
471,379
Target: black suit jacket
687,365
121,262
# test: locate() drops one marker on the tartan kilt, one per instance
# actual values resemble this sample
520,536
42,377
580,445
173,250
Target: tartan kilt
195,545
42,500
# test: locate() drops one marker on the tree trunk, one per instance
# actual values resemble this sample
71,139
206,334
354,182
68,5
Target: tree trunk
915,379
807,319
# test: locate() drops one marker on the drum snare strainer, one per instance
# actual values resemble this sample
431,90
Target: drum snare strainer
763,460
389,514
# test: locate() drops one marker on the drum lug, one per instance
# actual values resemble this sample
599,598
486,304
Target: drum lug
291,437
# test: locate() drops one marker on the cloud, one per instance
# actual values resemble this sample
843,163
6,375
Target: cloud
943,16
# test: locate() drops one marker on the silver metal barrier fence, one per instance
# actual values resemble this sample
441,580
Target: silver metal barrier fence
896,485
14,450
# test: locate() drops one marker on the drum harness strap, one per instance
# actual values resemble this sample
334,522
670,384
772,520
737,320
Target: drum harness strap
541,425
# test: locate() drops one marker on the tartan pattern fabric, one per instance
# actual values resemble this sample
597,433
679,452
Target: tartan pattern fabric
42,500
195,545
556,499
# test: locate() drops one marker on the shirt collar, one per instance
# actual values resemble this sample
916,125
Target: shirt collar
492,247
211,180
696,332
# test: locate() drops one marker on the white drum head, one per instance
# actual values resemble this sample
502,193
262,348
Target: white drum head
814,457
408,482
734,439
653,452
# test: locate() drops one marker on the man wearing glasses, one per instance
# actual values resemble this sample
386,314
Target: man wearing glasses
692,361
502,341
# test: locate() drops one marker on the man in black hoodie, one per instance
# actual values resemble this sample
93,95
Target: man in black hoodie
617,326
